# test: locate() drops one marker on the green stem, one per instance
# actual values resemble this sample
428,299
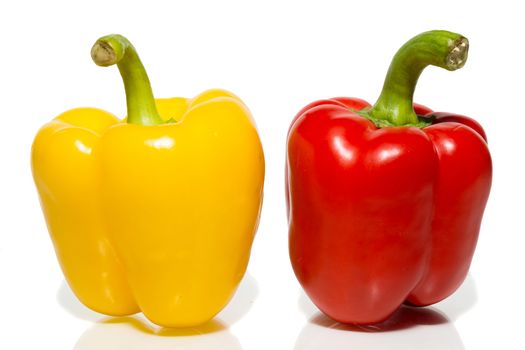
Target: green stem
116,49
440,48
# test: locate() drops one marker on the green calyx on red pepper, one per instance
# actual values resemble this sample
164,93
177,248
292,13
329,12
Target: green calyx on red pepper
394,107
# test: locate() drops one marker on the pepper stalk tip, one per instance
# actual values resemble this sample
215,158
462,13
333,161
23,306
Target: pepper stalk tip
103,54
458,54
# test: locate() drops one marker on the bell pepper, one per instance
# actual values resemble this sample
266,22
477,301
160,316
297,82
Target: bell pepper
155,213
386,201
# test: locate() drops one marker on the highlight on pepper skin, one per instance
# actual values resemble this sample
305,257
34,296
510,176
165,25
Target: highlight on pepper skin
386,201
157,212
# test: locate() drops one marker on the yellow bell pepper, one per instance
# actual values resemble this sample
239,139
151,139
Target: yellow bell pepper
156,213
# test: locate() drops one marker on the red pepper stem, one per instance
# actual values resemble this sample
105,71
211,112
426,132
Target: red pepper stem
116,49
440,48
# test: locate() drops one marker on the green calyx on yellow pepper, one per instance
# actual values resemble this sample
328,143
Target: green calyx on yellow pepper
156,213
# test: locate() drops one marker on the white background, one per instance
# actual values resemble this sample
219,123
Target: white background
277,56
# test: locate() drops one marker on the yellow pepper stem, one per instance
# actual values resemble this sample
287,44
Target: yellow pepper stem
116,49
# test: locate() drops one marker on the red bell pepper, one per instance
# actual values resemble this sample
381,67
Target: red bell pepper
386,201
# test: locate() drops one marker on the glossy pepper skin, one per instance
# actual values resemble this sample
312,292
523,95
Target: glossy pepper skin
386,201
157,213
